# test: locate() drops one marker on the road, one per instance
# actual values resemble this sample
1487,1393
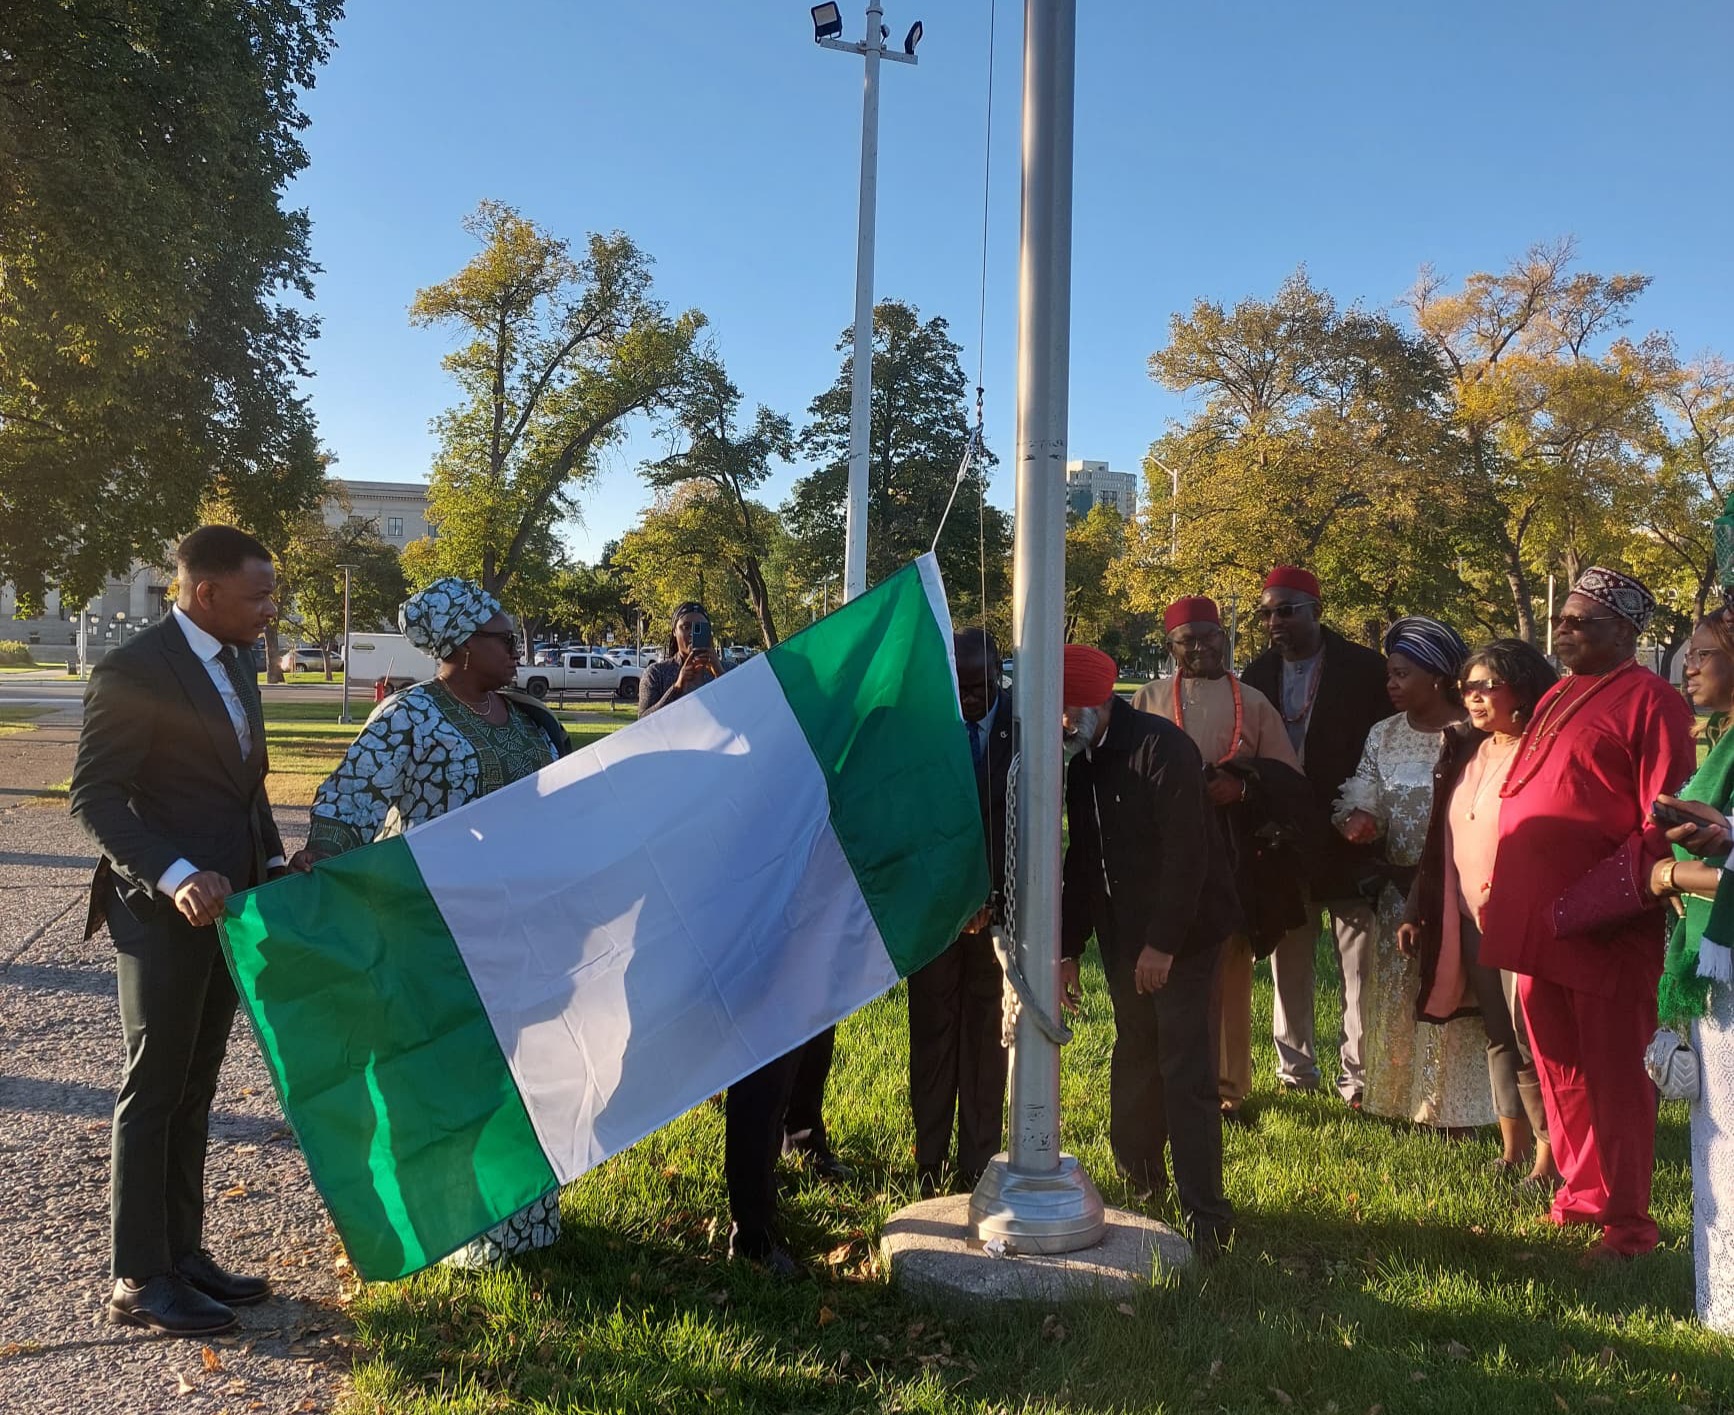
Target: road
23,689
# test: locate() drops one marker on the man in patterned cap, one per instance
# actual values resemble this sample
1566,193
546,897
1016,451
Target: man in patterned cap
1570,909
1242,739
1330,693
1145,872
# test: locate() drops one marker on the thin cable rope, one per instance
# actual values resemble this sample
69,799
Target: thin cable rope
986,191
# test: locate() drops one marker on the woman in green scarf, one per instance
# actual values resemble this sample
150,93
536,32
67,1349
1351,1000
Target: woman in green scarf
1697,995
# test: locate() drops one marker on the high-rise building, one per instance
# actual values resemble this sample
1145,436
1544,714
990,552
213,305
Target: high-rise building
1091,484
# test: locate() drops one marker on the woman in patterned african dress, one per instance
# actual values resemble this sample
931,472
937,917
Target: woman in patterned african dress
1434,1076
429,749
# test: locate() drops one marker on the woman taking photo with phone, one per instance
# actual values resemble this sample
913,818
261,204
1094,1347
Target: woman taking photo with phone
1697,991
689,660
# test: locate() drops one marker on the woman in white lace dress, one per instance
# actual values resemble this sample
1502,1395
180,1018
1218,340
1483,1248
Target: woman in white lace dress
1433,1075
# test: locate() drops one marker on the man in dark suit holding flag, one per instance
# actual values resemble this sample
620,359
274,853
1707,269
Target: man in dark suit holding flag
170,784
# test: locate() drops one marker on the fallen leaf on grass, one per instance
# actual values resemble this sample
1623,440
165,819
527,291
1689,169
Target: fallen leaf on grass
1215,1369
183,1386
1282,1397
1606,1357
1126,1308
826,1316
1375,1410
212,1361
1053,1329
1559,1400
1457,1351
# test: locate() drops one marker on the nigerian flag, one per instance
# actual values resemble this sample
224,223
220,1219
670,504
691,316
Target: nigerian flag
460,1018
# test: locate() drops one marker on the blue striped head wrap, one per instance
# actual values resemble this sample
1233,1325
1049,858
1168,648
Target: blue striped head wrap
1435,646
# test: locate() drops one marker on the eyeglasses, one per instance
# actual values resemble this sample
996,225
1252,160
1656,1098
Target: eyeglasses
1575,622
1480,687
510,640
1181,642
1694,657
1268,612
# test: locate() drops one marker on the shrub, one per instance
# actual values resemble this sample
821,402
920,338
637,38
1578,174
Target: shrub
15,655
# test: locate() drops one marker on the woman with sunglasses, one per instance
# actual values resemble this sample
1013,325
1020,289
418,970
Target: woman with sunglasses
1501,685
1697,990
459,736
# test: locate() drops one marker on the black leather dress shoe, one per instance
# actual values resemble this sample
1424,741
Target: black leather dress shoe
763,1252
170,1305
232,1289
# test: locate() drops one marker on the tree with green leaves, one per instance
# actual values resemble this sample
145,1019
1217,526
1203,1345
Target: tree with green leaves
1317,441
145,350
310,578
688,546
733,461
919,430
271,503
559,351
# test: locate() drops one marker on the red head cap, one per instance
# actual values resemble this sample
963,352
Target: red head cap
1090,676
1290,577
1197,609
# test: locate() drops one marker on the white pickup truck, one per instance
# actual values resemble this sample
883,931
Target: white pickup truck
589,674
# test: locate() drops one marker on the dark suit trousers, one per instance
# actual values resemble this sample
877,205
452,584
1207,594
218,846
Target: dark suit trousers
177,1004
956,1063
1162,1086
805,1123
752,1140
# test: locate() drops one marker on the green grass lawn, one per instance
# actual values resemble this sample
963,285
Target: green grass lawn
1376,1268
19,717
307,741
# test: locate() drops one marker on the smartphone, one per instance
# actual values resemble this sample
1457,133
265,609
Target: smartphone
701,635
1668,816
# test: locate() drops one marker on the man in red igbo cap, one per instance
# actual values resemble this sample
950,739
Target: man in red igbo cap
1146,872
1240,736
1330,692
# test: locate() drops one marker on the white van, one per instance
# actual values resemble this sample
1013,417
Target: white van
388,656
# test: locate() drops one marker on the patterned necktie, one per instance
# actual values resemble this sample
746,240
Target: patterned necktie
247,690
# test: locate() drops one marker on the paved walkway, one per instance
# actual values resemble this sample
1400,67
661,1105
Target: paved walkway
59,1063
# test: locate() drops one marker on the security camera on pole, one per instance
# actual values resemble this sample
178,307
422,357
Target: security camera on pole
827,31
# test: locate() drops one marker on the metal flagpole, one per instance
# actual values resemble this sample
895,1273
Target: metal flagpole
1036,1199
343,713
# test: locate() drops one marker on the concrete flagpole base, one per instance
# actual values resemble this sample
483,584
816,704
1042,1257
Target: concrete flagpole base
930,1254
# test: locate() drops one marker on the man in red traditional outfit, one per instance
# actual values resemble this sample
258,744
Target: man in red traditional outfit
1570,909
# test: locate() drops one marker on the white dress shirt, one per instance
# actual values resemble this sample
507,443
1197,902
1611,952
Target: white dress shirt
207,647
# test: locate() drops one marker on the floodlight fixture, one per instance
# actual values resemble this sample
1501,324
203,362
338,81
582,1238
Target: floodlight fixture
912,39
827,22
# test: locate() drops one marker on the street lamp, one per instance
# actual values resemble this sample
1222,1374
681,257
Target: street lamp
1173,508
827,29
343,713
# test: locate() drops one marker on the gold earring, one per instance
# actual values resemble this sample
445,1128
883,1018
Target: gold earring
466,660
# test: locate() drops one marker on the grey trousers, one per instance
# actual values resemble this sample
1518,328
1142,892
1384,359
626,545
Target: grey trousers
1354,923
1510,1063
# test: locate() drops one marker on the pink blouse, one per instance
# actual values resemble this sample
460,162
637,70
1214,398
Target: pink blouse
1471,842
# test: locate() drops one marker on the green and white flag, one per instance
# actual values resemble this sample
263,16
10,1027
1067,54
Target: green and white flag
495,1002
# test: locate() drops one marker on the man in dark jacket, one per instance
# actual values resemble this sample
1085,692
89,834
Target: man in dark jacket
1330,693
956,1063
1146,872
170,784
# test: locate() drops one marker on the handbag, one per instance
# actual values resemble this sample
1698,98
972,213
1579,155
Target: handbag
1611,894
1672,1065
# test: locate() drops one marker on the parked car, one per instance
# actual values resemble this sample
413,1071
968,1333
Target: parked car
309,660
590,674
627,657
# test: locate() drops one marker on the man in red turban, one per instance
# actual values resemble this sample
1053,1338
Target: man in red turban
1329,692
1240,736
1146,873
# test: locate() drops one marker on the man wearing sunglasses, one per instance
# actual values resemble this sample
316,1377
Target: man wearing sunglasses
1570,909
1330,693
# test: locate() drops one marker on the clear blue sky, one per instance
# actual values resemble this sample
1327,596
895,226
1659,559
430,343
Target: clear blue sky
1218,146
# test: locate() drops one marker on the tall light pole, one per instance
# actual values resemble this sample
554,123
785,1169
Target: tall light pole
1038,1200
827,29
343,714
1173,508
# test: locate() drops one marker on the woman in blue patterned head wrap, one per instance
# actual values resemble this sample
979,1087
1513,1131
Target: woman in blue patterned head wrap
1432,1075
462,734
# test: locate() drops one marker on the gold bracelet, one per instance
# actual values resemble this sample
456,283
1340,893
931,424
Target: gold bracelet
1668,884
